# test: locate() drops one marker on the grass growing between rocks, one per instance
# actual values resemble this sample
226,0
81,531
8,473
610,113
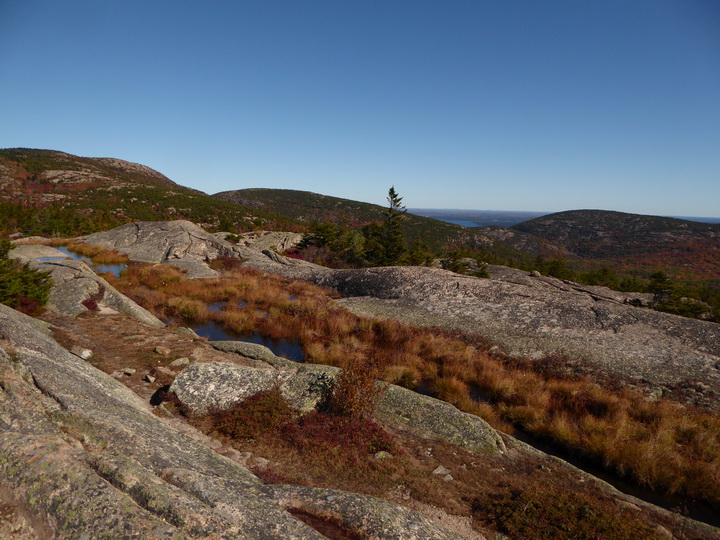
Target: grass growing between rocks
660,445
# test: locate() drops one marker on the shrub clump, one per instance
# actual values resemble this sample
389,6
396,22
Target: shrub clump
357,389
258,414
21,287
354,436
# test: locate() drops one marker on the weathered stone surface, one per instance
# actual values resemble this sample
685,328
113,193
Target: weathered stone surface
75,283
202,387
85,455
537,316
275,241
156,242
218,386
187,246
370,516
254,351
405,409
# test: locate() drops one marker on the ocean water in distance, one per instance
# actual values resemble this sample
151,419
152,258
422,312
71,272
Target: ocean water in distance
477,218
500,218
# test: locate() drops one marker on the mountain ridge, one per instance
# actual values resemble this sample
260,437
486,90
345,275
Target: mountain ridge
51,192
680,246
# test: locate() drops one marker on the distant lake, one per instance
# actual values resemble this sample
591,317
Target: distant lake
477,218
461,222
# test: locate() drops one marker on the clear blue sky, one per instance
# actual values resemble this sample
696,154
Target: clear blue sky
478,104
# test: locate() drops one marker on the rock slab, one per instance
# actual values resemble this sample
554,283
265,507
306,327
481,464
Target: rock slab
84,457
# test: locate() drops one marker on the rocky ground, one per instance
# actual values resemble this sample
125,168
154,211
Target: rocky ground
135,354
82,448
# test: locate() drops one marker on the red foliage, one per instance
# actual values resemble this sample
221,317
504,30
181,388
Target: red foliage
357,435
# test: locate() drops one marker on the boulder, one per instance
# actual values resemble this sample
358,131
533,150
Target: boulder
203,387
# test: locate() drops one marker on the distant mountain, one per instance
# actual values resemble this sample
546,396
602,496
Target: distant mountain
310,207
45,191
632,240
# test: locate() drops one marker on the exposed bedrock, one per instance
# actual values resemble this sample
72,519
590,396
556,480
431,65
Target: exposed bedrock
83,456
537,316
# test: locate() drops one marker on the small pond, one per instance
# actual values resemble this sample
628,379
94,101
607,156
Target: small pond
214,331
114,269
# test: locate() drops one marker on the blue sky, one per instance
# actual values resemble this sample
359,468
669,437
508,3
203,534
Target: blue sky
502,105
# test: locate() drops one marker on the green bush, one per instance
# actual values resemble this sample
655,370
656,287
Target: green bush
21,287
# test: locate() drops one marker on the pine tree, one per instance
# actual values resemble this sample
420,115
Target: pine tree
385,243
394,237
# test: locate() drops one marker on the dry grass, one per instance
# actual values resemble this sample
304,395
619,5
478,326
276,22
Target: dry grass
97,254
657,444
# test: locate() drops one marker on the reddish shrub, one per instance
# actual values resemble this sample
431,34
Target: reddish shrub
357,435
260,413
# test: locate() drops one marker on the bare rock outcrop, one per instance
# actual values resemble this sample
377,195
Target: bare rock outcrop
189,247
179,243
83,457
272,240
538,316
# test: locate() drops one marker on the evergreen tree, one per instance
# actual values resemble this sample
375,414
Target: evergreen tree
385,243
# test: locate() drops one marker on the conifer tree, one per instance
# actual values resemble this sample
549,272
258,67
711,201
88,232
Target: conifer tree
385,243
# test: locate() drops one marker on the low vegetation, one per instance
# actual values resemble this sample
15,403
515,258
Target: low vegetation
21,287
359,455
657,444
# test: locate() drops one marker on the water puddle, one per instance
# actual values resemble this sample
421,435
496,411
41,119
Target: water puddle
114,269
217,307
214,331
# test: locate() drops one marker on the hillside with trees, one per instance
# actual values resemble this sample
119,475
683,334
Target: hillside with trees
310,208
683,248
55,193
